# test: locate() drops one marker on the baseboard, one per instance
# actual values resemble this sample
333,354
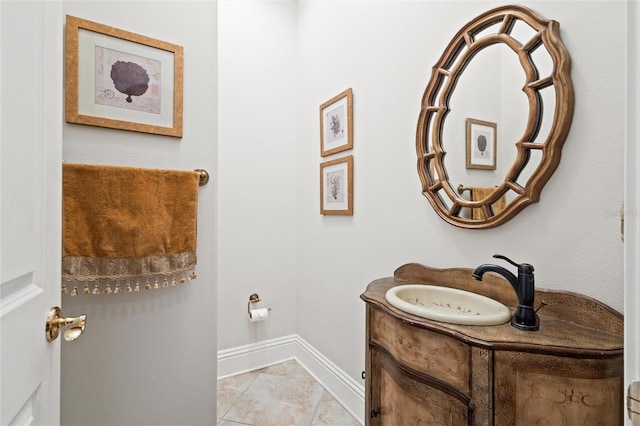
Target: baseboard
254,356
346,390
336,381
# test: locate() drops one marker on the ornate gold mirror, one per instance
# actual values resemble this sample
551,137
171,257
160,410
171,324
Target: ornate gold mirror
494,117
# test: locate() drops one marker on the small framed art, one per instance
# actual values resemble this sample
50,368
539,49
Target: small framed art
481,144
122,80
336,124
336,186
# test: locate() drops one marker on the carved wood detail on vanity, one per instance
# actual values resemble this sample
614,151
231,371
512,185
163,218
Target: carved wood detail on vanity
433,354
542,389
409,401
568,373
567,401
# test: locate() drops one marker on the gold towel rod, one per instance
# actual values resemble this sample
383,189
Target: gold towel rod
204,176
461,189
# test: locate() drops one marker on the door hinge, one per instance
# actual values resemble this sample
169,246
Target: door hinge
622,222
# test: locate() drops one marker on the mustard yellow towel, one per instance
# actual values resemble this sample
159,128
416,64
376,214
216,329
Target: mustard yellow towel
480,193
125,223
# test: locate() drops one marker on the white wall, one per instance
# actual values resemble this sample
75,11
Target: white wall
257,168
149,357
385,51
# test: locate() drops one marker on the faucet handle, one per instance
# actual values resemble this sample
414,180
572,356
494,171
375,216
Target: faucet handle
499,256
522,267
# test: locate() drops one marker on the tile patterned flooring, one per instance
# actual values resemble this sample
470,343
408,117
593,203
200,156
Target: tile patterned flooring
279,395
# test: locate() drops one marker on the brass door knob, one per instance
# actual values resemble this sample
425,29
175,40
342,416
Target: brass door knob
56,322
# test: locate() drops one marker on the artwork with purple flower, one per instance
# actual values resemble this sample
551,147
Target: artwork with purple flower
336,186
336,124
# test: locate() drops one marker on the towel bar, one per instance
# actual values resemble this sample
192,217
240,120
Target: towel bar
204,176
462,188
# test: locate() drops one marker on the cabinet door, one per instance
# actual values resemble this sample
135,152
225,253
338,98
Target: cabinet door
401,398
536,389
435,355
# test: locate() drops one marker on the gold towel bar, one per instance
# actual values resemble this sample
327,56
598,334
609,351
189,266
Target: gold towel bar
204,176
461,189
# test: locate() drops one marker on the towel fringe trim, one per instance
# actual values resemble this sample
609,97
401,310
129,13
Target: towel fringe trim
123,273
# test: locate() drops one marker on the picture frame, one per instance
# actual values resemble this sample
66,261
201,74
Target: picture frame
336,186
336,124
481,144
122,80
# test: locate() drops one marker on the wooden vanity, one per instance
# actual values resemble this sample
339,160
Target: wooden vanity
425,372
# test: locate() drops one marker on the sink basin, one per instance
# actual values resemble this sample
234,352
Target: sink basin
447,305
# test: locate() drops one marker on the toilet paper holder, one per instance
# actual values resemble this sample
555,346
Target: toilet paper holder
254,298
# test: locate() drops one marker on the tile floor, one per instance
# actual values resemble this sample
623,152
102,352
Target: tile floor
279,395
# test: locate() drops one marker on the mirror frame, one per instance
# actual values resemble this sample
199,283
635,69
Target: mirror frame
435,107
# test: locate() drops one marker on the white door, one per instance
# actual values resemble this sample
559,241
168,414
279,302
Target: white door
31,99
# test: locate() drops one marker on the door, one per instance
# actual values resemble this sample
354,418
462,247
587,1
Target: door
31,99
632,220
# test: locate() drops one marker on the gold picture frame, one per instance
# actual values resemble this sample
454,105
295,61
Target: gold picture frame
336,186
336,124
481,144
122,80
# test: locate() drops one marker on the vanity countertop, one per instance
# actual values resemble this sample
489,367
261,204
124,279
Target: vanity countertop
570,323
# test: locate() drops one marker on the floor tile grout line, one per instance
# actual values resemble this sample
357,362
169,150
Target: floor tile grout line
315,412
288,373
238,398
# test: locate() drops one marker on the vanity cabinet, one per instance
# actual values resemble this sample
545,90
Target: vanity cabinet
418,371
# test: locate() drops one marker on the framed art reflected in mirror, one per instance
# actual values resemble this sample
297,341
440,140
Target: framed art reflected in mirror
481,144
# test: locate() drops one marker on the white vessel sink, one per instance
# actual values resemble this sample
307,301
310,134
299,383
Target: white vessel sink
447,305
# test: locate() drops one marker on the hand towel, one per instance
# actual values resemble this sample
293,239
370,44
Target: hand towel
479,193
125,226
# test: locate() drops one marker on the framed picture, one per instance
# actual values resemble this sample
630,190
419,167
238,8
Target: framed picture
336,124
336,186
122,80
481,144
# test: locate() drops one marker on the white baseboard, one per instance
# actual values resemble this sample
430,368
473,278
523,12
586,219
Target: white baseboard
339,384
254,356
346,390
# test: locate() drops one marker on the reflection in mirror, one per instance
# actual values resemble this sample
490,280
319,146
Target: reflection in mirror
535,157
490,89
444,199
504,80
523,32
486,32
548,95
543,62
